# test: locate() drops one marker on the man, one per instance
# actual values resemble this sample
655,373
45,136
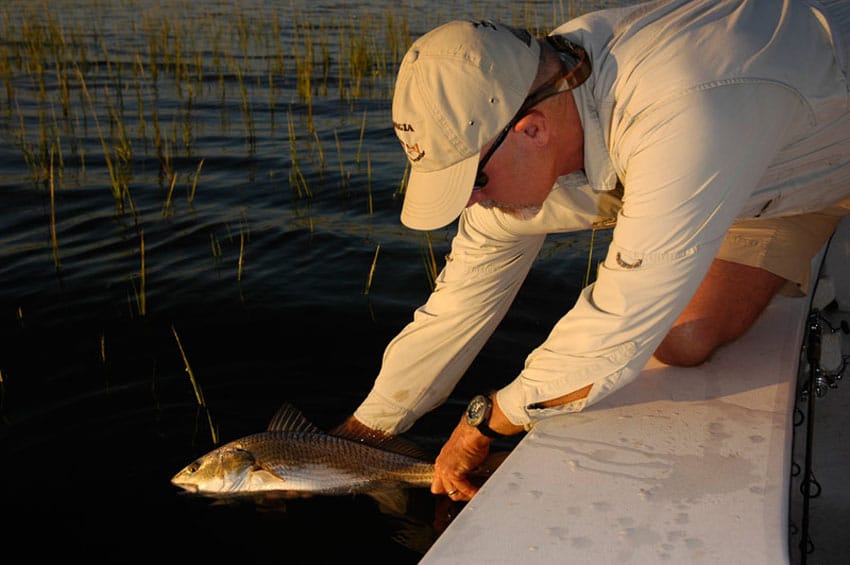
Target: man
716,132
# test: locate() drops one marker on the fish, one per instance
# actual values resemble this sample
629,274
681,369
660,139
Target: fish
293,458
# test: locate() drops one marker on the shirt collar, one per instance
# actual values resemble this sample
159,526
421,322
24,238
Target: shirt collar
597,161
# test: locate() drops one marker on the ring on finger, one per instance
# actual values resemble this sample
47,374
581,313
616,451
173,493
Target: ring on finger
452,492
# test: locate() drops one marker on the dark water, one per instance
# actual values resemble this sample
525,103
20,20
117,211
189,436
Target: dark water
263,279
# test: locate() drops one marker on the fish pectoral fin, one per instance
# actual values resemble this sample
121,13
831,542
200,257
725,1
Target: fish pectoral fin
391,501
265,479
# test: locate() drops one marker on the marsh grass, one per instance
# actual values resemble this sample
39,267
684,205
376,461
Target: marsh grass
372,270
191,196
142,88
320,152
247,112
140,292
196,387
57,264
143,307
369,184
360,139
241,261
344,175
250,55
172,181
120,188
430,261
215,246
296,176
589,258
402,185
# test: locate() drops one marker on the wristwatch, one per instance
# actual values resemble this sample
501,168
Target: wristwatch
478,415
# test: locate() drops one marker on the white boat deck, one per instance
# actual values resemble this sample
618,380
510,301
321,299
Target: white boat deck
681,466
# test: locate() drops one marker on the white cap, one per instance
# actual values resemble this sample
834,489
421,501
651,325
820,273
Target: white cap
457,87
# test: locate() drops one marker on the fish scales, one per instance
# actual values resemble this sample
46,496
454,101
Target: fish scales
294,456
329,463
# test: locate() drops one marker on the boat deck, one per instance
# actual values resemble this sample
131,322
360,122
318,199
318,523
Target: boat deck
684,465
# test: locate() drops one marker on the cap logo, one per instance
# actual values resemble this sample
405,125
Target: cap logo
484,23
414,153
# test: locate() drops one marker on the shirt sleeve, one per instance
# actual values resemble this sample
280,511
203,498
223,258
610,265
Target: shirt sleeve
687,168
422,364
688,165
490,258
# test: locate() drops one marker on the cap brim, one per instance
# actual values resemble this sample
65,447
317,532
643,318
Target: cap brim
434,199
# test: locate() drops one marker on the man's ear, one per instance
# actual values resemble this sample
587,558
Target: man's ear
535,126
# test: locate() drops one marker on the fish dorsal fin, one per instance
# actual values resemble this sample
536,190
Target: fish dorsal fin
288,418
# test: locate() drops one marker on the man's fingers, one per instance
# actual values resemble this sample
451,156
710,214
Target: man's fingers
456,487
437,486
462,493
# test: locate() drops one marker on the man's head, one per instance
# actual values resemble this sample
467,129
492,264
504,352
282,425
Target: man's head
460,87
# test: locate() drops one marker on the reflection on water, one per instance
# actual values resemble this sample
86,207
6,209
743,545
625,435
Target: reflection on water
166,172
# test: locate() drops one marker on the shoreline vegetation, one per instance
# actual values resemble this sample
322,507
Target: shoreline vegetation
137,100
66,71
94,91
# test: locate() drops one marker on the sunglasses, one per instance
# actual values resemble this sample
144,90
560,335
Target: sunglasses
577,66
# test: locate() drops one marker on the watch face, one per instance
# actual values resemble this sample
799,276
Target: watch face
476,412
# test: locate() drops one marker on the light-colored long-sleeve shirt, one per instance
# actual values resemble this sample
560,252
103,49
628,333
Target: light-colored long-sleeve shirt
704,112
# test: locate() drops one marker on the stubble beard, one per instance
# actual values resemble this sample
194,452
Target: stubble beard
519,211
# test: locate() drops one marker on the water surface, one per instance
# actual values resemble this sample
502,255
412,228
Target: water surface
154,222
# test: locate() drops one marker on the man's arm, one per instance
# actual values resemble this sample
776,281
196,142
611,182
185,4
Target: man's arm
424,362
490,258
682,191
689,166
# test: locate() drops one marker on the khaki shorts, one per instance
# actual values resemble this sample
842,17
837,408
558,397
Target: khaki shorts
783,246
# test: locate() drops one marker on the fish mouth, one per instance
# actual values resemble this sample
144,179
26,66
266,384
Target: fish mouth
189,487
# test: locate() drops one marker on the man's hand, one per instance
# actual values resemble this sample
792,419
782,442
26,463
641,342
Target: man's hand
465,450
355,430
464,453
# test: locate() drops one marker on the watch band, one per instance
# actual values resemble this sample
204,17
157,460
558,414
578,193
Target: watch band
488,431
478,414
